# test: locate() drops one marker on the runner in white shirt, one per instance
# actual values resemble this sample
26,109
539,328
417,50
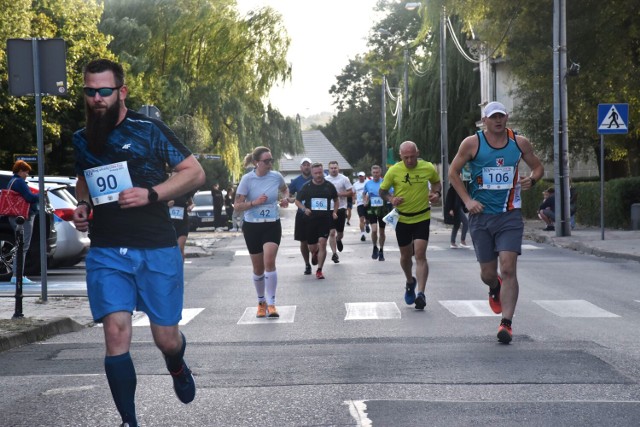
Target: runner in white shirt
358,188
344,189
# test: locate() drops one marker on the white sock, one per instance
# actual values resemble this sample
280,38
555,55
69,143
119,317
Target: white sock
271,282
258,282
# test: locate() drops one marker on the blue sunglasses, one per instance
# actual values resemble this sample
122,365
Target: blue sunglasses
103,91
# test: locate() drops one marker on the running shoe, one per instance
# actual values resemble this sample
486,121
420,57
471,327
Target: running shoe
314,258
367,228
184,384
339,245
335,258
374,254
262,309
307,269
464,245
319,274
380,256
421,301
273,313
494,298
25,280
453,246
410,292
362,238
505,334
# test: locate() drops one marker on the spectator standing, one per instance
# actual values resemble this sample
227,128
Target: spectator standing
18,183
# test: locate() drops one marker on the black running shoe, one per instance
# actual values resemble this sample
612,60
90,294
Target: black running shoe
335,258
374,254
367,228
380,256
421,301
307,270
339,245
184,384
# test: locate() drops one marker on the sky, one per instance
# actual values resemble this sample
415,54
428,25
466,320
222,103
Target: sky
324,34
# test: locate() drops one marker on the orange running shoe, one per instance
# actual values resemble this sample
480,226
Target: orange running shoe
505,334
272,311
262,309
319,274
494,298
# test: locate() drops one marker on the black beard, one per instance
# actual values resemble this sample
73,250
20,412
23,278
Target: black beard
100,123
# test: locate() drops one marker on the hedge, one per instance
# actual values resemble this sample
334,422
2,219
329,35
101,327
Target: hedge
620,194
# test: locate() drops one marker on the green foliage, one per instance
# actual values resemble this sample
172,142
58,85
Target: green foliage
620,194
76,22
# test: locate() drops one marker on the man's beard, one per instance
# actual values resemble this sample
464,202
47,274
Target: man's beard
100,123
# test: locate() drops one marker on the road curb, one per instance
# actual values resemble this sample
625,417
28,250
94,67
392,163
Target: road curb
41,330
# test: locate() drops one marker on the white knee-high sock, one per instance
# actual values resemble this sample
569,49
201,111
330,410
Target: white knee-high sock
271,282
258,282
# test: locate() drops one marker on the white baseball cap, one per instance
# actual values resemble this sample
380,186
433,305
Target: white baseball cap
361,174
306,159
493,108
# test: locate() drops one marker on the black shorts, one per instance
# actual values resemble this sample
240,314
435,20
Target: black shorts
300,231
362,210
256,234
375,218
319,227
338,224
407,233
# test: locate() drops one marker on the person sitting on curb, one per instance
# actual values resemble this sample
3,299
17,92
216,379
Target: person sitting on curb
546,210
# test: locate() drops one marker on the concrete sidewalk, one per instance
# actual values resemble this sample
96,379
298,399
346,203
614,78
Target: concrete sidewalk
63,315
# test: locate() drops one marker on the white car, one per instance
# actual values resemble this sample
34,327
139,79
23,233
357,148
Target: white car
69,181
73,245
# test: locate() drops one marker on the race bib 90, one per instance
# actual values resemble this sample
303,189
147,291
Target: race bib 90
498,178
106,182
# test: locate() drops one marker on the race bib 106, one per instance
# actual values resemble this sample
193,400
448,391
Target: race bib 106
106,182
498,178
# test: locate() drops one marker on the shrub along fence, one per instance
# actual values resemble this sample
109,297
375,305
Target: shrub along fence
619,195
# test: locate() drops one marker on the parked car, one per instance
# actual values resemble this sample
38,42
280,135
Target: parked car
7,237
69,181
202,213
72,244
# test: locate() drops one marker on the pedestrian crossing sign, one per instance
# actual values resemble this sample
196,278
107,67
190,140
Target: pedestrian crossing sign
613,118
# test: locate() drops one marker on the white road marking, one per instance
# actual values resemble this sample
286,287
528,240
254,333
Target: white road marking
371,311
139,318
468,308
287,315
358,410
531,247
574,308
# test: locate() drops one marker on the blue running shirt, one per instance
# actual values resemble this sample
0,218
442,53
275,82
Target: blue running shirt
494,175
148,146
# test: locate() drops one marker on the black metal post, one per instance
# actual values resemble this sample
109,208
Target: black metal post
19,263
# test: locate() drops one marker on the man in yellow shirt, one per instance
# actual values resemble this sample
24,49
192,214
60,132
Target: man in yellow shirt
416,185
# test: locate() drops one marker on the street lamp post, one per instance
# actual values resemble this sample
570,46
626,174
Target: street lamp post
384,123
444,143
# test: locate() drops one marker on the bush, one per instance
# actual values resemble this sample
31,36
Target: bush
620,194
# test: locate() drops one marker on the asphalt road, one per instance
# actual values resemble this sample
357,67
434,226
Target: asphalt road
347,351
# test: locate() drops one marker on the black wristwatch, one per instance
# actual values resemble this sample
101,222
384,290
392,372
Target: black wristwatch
153,196
533,181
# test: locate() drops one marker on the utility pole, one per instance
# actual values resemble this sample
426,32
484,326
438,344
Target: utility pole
444,142
384,124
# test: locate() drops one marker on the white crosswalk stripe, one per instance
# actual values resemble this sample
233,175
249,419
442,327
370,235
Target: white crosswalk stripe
468,308
287,314
371,311
574,308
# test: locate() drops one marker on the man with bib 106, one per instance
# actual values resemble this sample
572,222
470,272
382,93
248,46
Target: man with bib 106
493,202
134,262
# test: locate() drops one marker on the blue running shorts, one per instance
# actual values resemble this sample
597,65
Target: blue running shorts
128,279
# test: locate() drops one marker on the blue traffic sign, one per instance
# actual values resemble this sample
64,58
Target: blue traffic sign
613,118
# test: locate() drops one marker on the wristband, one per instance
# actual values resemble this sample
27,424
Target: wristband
439,193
